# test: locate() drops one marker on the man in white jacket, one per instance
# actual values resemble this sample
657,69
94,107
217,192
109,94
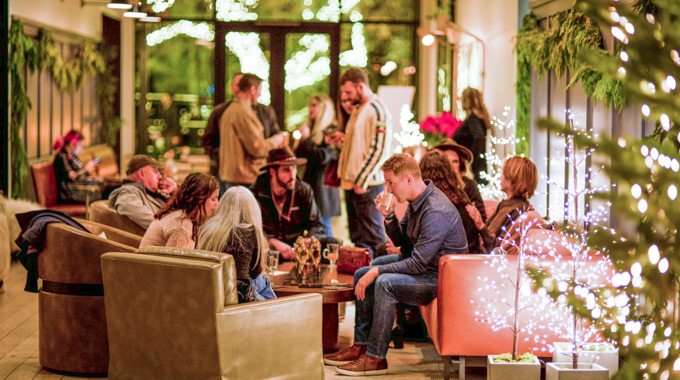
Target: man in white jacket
367,144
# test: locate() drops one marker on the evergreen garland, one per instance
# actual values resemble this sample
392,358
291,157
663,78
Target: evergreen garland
558,49
41,53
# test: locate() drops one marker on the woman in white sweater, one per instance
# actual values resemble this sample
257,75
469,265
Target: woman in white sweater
176,224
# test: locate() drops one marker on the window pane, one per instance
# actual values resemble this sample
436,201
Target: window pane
380,10
248,53
387,43
179,65
194,9
308,67
281,10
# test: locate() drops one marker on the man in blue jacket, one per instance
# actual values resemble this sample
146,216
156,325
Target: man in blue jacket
430,229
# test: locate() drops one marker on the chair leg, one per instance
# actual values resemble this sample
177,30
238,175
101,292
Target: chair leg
461,368
447,367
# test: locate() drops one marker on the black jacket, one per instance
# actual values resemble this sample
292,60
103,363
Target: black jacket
304,215
472,135
318,157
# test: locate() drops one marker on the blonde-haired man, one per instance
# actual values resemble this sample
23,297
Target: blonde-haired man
430,229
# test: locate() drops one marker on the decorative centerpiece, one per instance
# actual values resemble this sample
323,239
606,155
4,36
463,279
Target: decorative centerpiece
437,128
307,253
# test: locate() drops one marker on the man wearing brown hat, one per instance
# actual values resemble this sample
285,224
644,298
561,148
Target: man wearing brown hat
287,203
144,191
461,159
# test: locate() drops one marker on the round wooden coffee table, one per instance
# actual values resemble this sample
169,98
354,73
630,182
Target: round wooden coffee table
332,296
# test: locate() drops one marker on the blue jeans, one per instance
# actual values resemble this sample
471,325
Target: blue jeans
327,222
375,314
365,221
263,288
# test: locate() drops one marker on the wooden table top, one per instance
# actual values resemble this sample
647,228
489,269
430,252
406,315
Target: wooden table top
342,293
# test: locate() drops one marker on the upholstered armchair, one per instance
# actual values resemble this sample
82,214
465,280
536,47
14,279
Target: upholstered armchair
173,314
100,212
72,327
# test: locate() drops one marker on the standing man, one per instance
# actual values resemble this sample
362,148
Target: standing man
430,229
210,141
243,146
367,144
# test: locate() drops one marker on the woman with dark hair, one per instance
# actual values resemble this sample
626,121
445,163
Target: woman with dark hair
176,224
461,157
70,174
435,166
519,180
315,145
472,133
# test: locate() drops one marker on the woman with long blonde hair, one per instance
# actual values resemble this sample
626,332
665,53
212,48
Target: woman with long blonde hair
472,133
315,145
236,229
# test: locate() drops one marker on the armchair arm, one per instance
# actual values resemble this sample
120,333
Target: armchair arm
275,338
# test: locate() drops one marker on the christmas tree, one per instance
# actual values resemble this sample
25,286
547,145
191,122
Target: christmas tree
641,312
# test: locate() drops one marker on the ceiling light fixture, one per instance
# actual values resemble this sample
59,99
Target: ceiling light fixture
134,13
119,5
150,18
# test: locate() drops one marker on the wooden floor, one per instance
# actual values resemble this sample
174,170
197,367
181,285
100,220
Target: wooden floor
19,342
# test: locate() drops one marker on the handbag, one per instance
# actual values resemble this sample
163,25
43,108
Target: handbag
352,258
331,178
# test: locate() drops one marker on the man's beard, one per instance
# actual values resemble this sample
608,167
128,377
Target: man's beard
289,186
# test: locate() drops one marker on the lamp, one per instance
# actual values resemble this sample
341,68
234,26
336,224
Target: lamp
134,13
119,4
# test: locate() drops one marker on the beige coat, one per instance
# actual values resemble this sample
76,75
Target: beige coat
243,148
368,143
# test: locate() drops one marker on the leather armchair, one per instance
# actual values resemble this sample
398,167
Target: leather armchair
173,314
45,190
100,212
72,327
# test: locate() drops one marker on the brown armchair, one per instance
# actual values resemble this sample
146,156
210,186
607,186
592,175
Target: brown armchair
172,314
72,327
100,212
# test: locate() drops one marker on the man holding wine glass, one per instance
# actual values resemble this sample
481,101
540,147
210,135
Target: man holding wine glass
430,229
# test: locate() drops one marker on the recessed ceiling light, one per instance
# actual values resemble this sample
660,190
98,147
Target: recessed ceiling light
118,5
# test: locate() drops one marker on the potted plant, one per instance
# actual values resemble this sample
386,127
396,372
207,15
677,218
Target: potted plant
603,354
437,128
512,305
576,278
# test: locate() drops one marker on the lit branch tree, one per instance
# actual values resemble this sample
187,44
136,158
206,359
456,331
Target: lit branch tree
503,143
510,303
575,280
642,312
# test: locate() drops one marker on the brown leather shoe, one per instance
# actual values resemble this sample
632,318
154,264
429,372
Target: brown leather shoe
364,366
345,356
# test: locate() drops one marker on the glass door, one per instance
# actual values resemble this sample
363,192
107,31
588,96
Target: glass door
295,60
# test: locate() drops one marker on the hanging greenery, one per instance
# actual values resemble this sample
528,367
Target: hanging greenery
558,49
39,54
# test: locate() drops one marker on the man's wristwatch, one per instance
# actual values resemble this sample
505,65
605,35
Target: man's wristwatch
390,216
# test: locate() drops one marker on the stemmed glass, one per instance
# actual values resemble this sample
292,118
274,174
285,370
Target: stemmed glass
331,254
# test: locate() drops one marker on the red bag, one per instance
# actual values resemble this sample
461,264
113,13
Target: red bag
352,258
331,178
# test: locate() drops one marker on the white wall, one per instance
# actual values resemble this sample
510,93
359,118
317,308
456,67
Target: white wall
67,15
495,22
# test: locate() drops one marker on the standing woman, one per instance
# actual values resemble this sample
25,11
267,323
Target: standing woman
435,166
315,146
176,224
70,173
236,229
472,133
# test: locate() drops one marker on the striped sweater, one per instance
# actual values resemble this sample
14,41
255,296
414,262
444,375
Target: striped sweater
368,143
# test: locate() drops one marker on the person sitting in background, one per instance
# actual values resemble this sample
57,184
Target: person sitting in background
288,206
315,146
461,157
70,173
143,192
519,180
435,166
236,229
177,222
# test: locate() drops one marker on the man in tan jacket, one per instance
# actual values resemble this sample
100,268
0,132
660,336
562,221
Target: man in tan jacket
243,147
367,144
